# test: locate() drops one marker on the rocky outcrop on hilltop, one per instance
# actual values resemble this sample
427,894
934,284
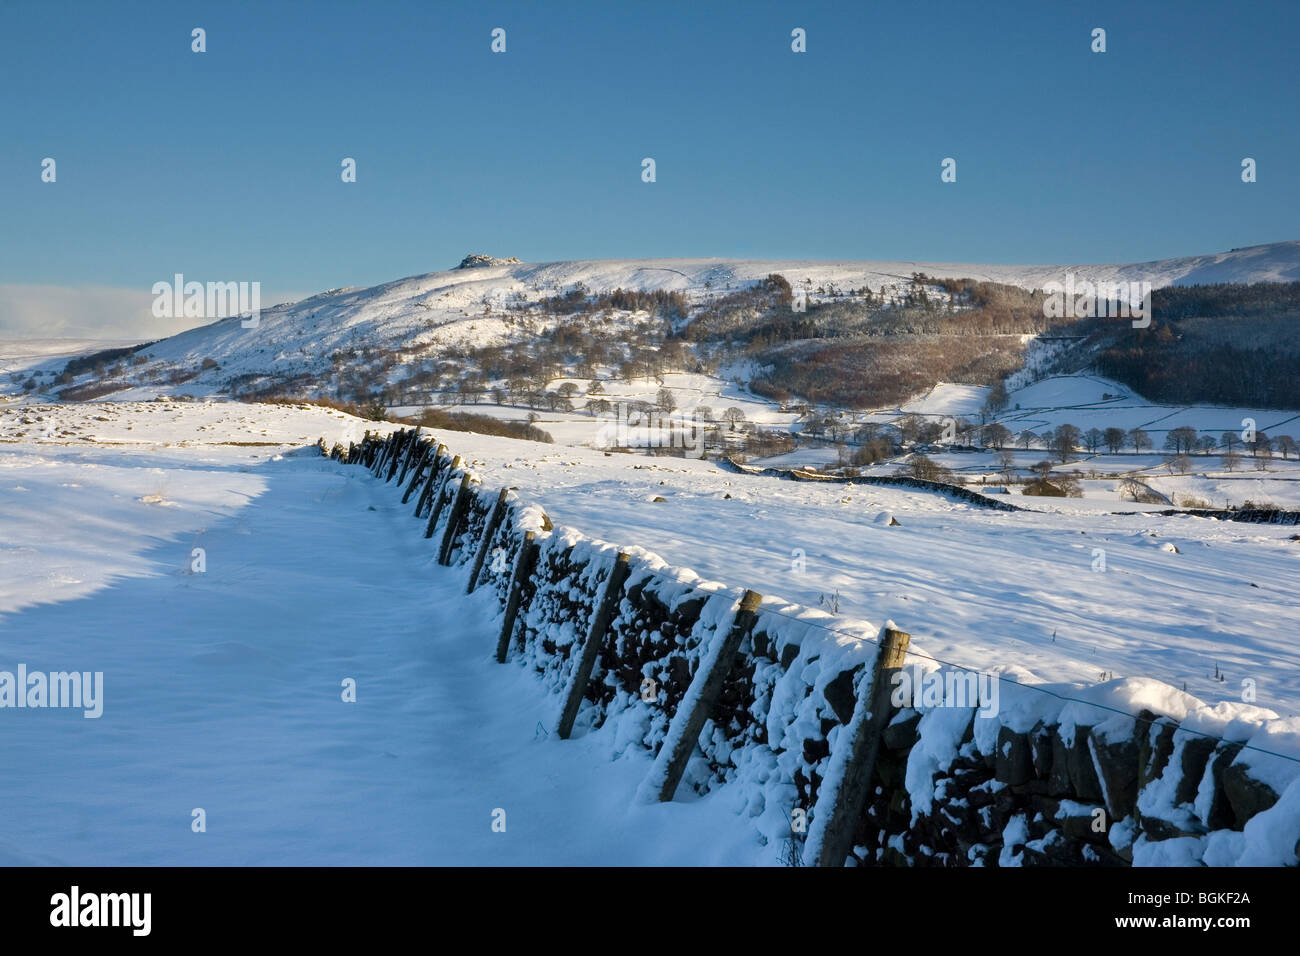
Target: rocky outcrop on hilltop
476,260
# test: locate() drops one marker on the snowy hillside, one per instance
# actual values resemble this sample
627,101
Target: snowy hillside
472,306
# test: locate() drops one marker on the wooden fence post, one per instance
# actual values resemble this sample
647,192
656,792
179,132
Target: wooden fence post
431,482
436,509
416,471
830,839
395,453
412,450
494,522
524,565
696,707
595,637
453,520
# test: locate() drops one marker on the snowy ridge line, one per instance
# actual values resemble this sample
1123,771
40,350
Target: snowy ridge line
1131,771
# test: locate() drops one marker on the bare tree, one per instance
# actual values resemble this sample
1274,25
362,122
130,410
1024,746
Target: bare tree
909,426
919,466
733,416
1139,439
996,435
996,400
1181,440
1064,440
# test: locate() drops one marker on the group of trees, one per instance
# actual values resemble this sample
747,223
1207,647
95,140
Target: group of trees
879,372
1064,441
519,372
1228,344
1181,441
1168,370
662,303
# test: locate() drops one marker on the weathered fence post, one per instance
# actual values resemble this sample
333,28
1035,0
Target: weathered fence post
412,450
840,806
453,521
416,471
431,482
438,497
697,705
493,522
595,637
396,453
524,564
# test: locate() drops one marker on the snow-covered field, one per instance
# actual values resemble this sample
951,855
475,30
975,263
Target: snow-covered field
975,587
1088,401
314,573
222,688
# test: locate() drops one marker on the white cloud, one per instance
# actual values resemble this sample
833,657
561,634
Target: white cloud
91,312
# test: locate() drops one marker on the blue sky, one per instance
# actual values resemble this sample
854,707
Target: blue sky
225,165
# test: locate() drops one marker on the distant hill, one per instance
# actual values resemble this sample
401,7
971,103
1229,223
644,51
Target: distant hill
472,325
